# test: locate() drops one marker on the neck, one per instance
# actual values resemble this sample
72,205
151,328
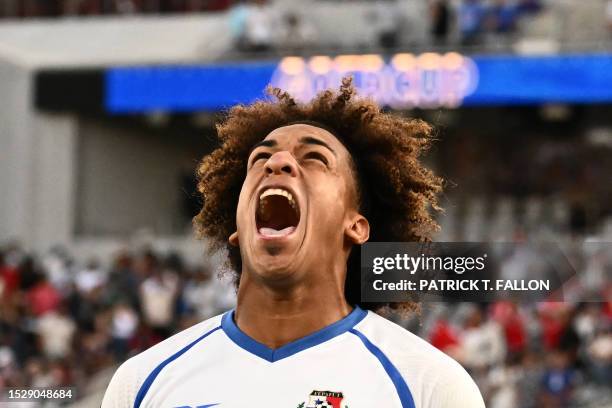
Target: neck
275,316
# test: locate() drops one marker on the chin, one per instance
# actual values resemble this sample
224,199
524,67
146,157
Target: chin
276,271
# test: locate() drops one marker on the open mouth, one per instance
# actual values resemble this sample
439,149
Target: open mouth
277,214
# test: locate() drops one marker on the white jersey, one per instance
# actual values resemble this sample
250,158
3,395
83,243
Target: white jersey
361,361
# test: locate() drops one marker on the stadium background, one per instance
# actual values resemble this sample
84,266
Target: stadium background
108,105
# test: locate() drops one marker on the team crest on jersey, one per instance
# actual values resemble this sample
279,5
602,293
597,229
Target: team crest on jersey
324,399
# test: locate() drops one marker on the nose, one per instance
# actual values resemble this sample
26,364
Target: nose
281,163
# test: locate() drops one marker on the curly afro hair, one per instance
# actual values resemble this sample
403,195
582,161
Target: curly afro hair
396,192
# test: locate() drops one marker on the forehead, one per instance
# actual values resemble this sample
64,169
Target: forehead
290,135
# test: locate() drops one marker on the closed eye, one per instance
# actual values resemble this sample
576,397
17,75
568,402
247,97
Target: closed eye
316,156
259,156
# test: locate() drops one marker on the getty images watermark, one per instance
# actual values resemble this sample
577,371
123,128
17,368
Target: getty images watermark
470,271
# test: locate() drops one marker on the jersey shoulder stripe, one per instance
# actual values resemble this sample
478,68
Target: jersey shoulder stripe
151,377
132,374
434,379
398,381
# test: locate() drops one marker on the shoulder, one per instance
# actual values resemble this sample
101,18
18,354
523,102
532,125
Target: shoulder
130,375
401,343
434,379
163,350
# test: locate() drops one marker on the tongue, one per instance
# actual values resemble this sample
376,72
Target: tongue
271,232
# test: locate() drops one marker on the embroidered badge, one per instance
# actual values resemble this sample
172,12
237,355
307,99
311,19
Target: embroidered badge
324,399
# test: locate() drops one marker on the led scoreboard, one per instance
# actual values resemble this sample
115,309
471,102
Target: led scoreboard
405,81
400,81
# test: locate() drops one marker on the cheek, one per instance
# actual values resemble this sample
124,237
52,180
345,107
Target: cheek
242,213
329,198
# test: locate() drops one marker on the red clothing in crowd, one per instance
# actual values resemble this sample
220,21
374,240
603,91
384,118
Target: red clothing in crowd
43,298
509,317
10,279
552,326
443,336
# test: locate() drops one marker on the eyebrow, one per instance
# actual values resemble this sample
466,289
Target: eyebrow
264,143
304,140
315,141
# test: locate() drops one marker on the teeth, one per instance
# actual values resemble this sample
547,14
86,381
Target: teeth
277,191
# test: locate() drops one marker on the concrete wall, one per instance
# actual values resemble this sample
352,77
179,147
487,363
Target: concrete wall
129,180
53,197
36,156
16,153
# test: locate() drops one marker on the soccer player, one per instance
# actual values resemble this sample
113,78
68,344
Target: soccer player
291,193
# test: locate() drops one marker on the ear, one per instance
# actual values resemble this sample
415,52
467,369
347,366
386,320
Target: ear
233,239
358,230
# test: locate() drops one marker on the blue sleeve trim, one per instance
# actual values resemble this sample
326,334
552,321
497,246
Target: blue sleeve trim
153,375
401,387
272,355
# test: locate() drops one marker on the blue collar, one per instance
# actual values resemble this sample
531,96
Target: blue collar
254,347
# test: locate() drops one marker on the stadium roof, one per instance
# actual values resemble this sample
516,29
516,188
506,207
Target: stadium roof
104,41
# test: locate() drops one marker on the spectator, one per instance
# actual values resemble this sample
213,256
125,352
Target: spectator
503,17
123,281
587,321
482,342
259,27
509,317
529,6
297,34
9,278
38,374
200,293
124,325
28,273
387,24
552,321
529,379
90,278
470,19
237,24
43,297
157,296
558,381
599,354
56,263
444,337
440,21
502,383
56,330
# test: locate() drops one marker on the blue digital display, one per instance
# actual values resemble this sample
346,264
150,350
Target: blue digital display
511,80
184,88
402,81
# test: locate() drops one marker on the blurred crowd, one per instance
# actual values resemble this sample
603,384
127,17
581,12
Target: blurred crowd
533,354
540,355
258,25
475,18
62,322
274,26
59,8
